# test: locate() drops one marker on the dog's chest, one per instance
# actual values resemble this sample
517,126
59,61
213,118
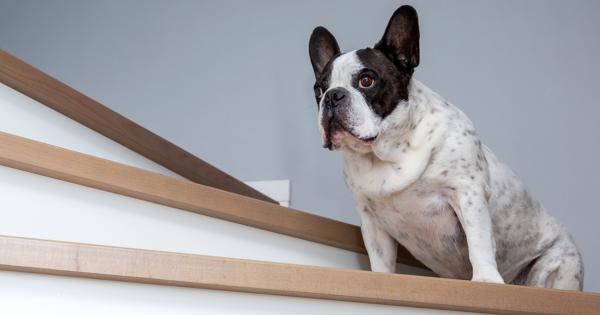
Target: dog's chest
419,217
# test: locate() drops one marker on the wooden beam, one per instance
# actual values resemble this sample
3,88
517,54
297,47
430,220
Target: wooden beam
164,268
43,159
43,88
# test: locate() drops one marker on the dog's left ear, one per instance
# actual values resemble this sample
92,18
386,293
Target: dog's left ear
400,42
322,46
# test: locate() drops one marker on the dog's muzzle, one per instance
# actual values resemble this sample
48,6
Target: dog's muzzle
335,106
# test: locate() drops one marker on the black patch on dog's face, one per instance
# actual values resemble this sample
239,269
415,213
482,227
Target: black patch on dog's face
390,84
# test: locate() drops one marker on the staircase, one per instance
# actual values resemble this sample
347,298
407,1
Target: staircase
99,215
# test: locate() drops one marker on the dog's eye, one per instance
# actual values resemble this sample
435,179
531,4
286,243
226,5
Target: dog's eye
365,82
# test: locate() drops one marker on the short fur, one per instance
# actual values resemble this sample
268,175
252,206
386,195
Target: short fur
422,178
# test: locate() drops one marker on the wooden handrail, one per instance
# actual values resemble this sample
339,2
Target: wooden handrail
186,270
44,159
45,89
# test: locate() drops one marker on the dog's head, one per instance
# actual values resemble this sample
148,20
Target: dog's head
356,91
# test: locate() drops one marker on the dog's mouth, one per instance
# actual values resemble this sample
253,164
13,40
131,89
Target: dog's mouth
336,131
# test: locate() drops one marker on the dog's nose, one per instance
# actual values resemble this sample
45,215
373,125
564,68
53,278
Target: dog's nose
335,97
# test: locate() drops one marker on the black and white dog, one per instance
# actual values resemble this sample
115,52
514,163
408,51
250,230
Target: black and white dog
420,175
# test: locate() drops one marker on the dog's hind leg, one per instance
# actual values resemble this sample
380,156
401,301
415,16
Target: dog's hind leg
559,267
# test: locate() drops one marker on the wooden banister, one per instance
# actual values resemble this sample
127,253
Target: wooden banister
36,157
164,268
45,89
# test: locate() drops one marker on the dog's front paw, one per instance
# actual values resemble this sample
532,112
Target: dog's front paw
490,277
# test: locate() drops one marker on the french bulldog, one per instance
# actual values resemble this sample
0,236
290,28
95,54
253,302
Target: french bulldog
420,175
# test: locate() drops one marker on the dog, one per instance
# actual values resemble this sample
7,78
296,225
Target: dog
420,175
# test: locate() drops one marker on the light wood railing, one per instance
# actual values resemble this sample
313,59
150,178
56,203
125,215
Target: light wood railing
175,269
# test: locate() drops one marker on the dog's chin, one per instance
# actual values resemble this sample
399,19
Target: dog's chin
336,139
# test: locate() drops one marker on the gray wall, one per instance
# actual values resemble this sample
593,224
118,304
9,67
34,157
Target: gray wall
230,81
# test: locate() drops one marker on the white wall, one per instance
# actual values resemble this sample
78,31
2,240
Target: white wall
230,81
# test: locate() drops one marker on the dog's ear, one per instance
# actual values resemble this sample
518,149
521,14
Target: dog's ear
322,46
400,42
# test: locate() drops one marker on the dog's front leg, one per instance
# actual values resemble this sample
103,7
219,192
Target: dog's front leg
474,216
381,247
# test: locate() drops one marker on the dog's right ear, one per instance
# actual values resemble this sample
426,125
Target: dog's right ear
321,48
400,42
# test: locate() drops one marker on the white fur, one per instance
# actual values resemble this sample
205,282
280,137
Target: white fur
428,183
